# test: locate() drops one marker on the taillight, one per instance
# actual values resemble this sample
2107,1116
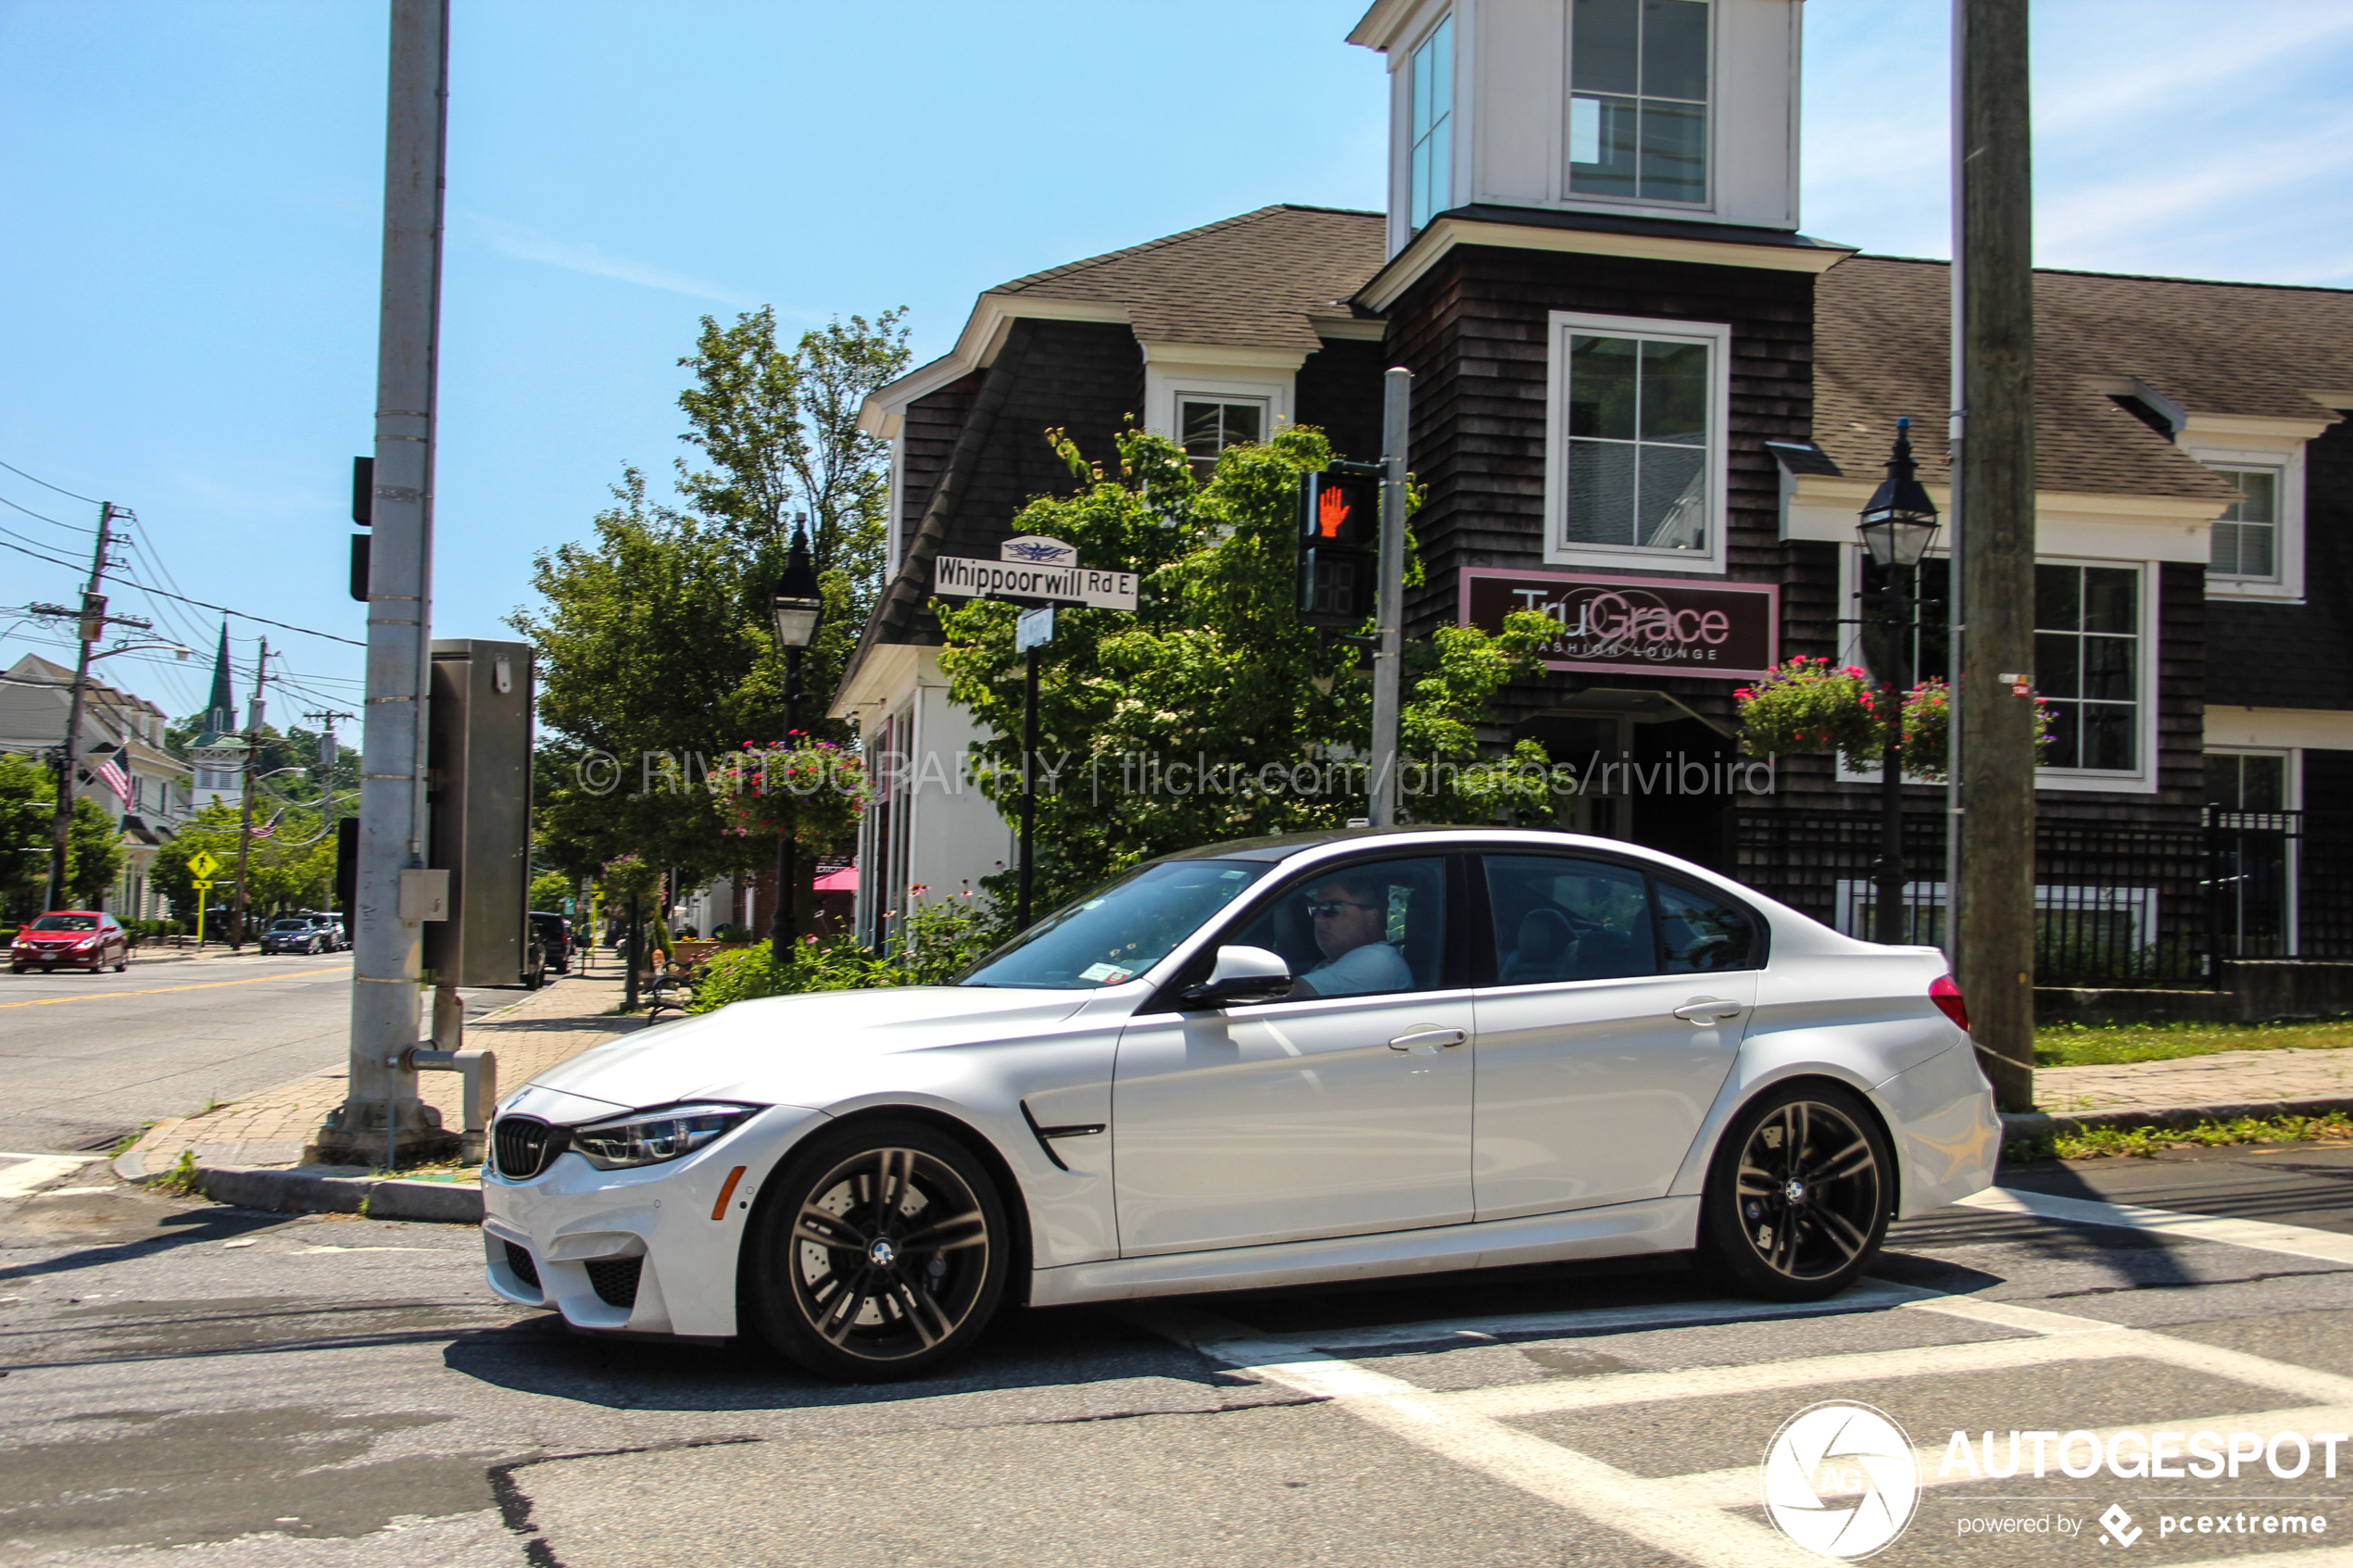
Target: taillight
1947,998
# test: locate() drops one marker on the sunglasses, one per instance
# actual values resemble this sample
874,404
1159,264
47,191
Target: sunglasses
1329,909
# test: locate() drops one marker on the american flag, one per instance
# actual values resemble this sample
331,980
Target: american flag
111,776
262,830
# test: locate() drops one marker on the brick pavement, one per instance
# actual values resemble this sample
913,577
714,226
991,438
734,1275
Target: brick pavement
2224,1078
570,1015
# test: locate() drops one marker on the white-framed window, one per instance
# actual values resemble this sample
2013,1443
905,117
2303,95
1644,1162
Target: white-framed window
2095,666
1430,134
1638,102
2258,542
1208,422
1634,458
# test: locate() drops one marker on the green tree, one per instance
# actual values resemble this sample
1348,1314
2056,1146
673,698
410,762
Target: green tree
656,652
27,805
548,891
1214,669
293,867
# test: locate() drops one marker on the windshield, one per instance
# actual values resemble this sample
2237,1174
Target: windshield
291,926
66,922
1116,934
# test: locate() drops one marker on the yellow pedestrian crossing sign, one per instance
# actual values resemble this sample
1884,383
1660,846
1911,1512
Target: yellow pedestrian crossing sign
202,865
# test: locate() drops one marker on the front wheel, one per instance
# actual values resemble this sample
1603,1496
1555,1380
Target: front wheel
880,1253
1799,1194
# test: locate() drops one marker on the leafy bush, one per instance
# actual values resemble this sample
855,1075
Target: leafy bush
939,939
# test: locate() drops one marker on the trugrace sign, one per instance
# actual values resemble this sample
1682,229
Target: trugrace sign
1657,624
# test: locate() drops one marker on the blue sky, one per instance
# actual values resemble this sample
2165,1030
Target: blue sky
192,215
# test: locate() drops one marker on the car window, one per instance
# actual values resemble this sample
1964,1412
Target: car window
1360,930
1557,917
66,922
1703,931
1116,934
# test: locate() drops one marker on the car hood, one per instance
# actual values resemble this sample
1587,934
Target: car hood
798,1051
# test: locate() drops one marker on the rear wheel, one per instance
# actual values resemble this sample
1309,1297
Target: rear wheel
881,1253
1799,1194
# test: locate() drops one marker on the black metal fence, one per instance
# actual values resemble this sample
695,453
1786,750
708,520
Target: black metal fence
2115,903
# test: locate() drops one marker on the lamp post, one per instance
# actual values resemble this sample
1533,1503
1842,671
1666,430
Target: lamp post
1896,527
799,606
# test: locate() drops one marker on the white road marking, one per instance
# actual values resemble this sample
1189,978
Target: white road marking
2262,1235
1868,1295
1562,1477
32,1169
1737,1487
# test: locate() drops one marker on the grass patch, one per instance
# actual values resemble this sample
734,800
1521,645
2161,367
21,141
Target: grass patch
129,1141
2146,1142
181,1180
2077,1045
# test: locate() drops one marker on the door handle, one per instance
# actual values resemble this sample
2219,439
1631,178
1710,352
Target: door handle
1706,1010
1428,1040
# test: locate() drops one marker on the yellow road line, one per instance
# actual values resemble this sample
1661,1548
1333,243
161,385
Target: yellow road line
159,990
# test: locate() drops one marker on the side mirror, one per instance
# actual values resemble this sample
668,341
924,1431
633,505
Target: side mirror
1241,975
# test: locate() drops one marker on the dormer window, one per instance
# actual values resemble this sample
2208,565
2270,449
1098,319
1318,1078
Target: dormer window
1432,128
2247,535
1638,100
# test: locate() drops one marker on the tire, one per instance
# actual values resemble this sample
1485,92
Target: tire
853,1286
1799,1194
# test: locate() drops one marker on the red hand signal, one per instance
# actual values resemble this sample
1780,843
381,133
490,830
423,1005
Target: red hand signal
1331,511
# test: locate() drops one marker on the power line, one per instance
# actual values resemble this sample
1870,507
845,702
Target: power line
69,527
71,566
46,485
241,615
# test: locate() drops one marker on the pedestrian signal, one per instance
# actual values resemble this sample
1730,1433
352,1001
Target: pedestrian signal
1338,544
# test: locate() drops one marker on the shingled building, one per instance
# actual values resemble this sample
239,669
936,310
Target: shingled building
1604,193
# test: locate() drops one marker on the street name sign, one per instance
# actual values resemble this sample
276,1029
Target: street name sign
964,578
1035,629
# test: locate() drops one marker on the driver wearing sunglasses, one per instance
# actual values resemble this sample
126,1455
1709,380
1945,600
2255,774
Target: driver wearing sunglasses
1351,919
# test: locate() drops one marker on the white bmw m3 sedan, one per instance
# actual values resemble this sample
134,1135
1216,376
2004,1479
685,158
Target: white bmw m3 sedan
1323,1057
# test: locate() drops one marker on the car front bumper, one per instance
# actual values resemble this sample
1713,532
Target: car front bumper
648,1251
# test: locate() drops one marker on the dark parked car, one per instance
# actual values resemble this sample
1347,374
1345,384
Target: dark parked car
72,939
554,932
294,934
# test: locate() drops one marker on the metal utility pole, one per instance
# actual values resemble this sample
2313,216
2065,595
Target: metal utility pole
94,620
245,810
382,1117
1388,608
1993,880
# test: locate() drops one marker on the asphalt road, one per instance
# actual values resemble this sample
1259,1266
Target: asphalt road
87,1058
200,1386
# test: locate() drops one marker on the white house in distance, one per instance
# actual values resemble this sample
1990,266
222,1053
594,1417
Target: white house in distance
124,764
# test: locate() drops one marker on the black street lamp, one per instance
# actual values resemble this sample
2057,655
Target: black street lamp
797,607
1897,525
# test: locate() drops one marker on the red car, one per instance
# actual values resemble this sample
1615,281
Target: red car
72,939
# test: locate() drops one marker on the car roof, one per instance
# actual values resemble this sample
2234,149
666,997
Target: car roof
1286,847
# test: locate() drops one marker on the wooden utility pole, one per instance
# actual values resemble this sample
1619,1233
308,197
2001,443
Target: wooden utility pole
1994,881
245,809
92,626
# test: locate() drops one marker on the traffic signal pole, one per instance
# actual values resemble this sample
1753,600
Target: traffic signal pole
383,1119
1388,608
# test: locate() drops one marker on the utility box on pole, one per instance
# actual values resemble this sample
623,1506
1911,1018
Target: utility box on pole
478,793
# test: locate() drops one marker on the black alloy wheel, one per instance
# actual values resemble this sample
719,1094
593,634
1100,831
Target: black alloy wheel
879,1253
1800,1194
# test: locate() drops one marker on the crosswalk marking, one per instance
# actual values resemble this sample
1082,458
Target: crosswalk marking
32,1169
2262,1235
1693,1516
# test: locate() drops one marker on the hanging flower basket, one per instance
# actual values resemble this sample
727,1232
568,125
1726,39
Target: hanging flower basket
812,789
1928,729
1810,705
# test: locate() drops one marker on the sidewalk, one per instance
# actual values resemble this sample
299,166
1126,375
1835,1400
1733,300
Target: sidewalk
2226,1078
269,1129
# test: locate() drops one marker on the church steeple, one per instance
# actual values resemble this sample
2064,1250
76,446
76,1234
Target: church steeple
222,711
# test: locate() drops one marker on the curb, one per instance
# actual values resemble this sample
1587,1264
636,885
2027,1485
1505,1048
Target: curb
2039,1124
310,1192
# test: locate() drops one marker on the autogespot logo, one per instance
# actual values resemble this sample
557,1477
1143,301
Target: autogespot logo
1840,1479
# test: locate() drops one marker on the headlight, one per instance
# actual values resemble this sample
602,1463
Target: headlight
649,1138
